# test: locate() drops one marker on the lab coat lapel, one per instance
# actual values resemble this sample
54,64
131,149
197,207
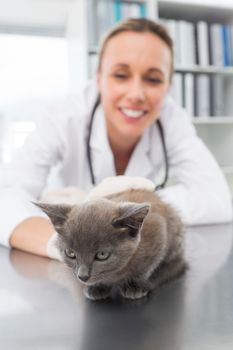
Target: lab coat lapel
102,157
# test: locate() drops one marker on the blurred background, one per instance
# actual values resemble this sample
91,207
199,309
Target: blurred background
49,48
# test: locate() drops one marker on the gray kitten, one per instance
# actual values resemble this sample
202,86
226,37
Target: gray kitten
130,240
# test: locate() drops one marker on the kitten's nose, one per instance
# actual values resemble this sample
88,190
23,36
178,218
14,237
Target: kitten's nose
83,273
83,278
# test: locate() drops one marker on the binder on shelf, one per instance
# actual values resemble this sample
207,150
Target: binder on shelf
187,43
202,95
176,90
202,43
226,45
173,29
143,12
216,45
189,93
217,95
92,23
117,10
130,10
124,10
191,56
183,41
231,42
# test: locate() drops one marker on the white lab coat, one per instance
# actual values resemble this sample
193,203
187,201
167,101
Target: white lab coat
200,194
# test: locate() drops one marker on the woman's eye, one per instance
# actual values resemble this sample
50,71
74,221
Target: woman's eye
120,76
70,253
102,255
154,80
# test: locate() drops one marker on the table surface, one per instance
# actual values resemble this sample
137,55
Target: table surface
42,306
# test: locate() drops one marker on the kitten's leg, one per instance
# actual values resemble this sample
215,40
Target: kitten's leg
97,292
167,272
134,289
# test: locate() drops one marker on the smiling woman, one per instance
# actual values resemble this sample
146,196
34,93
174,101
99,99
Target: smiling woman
131,88
132,84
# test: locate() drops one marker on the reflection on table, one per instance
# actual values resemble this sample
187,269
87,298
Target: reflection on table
42,305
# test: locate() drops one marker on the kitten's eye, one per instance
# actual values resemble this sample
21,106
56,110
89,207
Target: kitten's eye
70,253
102,256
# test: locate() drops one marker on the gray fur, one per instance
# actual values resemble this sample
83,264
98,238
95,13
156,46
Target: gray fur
143,236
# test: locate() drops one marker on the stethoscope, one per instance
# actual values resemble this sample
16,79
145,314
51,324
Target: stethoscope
89,157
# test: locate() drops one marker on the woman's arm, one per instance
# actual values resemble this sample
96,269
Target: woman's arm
24,180
32,235
22,225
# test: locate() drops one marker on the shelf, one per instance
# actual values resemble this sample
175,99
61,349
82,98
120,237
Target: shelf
196,10
195,69
212,120
93,50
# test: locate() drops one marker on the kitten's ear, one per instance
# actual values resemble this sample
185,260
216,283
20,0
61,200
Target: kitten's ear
132,216
57,213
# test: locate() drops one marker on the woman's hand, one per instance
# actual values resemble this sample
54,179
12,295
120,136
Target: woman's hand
116,184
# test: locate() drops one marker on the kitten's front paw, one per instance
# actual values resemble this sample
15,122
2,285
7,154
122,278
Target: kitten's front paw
97,292
133,291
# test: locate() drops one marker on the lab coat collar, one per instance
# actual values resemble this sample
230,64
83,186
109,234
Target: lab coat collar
102,157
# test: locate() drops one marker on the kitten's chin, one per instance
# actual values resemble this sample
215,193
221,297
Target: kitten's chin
88,283
94,281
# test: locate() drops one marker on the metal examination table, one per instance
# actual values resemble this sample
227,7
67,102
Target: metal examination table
42,306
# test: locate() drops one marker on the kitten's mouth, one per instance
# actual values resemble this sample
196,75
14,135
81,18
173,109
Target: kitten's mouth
88,282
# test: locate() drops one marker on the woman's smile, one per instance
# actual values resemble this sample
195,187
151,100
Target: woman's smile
132,115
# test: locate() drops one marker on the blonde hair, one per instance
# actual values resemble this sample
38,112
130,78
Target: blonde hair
139,25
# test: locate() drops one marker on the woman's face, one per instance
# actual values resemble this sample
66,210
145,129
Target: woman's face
133,81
